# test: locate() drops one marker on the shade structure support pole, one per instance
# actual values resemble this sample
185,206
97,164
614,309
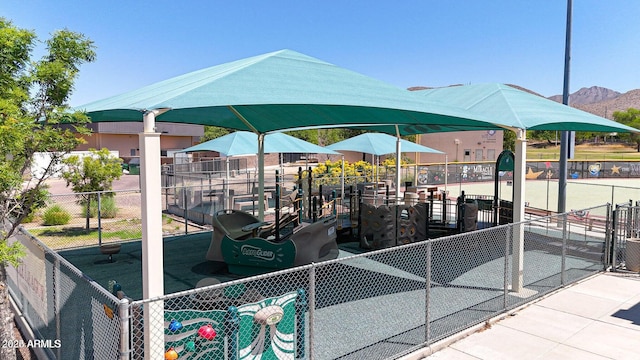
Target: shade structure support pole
446,174
152,249
398,166
342,182
261,177
260,160
518,210
227,200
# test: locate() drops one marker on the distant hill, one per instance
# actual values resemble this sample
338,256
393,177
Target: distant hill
606,108
589,95
602,101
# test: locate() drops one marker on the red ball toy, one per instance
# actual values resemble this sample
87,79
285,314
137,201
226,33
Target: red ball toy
207,332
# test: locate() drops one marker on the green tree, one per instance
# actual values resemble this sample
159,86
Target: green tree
214,132
631,117
91,174
33,104
509,140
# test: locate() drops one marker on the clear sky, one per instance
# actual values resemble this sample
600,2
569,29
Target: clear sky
405,43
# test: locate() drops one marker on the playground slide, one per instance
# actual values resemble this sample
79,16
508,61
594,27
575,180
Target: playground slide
238,241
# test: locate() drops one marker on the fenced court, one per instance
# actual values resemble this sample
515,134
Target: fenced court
372,305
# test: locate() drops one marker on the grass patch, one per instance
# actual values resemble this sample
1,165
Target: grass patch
76,235
593,152
79,233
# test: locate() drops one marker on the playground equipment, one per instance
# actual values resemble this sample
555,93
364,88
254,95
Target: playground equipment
388,224
268,328
502,209
249,246
110,250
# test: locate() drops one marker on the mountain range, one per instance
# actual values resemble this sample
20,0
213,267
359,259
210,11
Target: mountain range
602,101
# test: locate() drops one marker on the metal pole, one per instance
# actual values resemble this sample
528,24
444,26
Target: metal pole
185,212
312,307
613,190
563,275
446,172
519,171
99,221
57,294
342,182
427,327
507,244
398,167
123,314
261,177
152,257
565,136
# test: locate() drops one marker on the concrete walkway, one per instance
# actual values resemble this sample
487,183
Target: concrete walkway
597,318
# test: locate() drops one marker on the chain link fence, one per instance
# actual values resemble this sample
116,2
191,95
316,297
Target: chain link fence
71,316
110,217
375,305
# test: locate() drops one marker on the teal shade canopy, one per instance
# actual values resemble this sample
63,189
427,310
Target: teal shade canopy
284,90
379,144
508,105
246,143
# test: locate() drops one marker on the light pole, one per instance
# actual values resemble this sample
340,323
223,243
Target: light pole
565,136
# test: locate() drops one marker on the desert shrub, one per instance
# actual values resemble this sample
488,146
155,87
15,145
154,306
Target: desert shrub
56,215
29,218
329,173
108,208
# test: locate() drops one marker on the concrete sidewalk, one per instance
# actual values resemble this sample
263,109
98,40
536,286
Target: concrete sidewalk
597,318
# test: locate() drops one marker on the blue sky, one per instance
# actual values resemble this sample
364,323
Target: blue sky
405,43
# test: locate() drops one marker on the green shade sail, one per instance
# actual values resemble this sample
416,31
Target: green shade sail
284,90
508,105
379,144
246,143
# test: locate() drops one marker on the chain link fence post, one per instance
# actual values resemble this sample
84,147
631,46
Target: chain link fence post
427,317
56,300
563,257
99,219
507,246
608,238
124,313
312,307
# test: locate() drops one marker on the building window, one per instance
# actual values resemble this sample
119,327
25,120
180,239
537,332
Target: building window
491,154
133,152
467,155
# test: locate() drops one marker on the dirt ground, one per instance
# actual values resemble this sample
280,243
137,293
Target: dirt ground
126,182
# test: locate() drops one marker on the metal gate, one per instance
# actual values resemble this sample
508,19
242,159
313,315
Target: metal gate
624,250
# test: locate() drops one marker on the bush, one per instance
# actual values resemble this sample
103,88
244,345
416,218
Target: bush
56,215
29,218
329,173
108,208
